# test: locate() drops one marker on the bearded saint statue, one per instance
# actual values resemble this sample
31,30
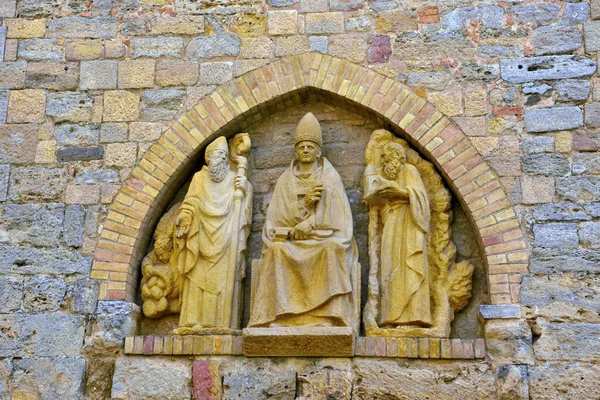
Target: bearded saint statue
308,273
401,198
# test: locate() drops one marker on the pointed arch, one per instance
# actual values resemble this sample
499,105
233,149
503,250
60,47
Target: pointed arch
256,94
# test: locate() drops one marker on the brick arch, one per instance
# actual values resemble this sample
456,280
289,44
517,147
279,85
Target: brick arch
271,88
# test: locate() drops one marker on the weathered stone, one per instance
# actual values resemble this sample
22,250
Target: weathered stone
144,131
595,9
578,188
560,212
40,50
347,5
4,174
585,140
113,132
43,294
592,114
449,102
567,341
591,32
380,49
253,382
389,379
573,90
542,14
120,105
564,381
98,75
282,22
53,76
585,163
314,5
553,119
537,144
143,378
288,45
261,47
114,49
436,80
545,164
69,106
17,143
8,8
211,46
324,23
476,103
532,88
176,73
121,154
156,47
556,39
472,126
396,21
281,3
136,74
20,28
556,234
382,5
508,342
80,154
500,311
537,189
37,224
116,320
589,233
134,25
158,105
36,183
325,382
512,382
73,227
550,261
11,295
519,70
28,260
362,23
37,8
81,27
576,13
460,18
77,135
42,335
85,296
12,74
189,25
26,106
82,194
49,378
214,73
478,71
318,43
86,49
90,176
495,51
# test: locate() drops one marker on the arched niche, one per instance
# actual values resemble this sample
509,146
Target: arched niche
289,82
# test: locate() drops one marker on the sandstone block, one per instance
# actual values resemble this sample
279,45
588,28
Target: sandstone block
219,45
519,70
136,74
69,106
12,74
592,114
537,144
460,18
114,49
4,174
573,90
20,28
45,335
585,163
545,164
176,73
8,8
120,105
556,39
324,23
82,194
508,342
557,380
431,80
73,226
479,72
556,234
49,378
189,25
143,378
513,382
449,102
44,294
595,9
347,5
85,296
45,152
80,154
500,311
318,43
36,224
134,25
576,13
541,14
578,188
567,341
120,154
26,106
321,383
54,261
537,189
116,320
113,132
156,47
314,6
36,8
89,176
53,76
40,50
17,143
144,131
363,23
11,294
251,381
83,49
287,45
261,47
81,27
160,105
591,31
476,103
282,22
560,212
590,235
396,21
98,75
36,183
553,119
349,46
214,73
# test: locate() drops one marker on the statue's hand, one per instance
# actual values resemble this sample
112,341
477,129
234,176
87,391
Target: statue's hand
241,183
183,222
302,230
313,195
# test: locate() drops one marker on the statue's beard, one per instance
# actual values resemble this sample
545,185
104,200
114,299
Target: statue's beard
218,171
391,169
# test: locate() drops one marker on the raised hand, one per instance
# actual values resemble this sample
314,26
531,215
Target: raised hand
313,195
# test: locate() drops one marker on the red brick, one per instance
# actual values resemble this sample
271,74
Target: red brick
515,110
429,15
202,380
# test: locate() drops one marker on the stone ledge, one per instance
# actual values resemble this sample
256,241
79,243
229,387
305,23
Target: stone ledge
500,311
371,346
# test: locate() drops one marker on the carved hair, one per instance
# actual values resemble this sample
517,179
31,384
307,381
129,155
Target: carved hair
396,151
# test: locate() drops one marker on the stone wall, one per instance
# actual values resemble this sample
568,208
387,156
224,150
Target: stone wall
86,87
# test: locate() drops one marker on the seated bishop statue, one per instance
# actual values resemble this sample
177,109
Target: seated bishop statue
308,273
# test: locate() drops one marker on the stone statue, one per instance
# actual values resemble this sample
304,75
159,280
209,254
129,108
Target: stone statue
413,289
209,234
308,273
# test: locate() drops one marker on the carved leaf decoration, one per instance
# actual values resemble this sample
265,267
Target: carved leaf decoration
459,285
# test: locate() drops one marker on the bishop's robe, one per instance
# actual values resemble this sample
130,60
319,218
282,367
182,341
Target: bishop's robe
312,277
404,268
208,258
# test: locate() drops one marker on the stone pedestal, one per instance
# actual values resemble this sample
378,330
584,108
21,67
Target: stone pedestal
301,341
